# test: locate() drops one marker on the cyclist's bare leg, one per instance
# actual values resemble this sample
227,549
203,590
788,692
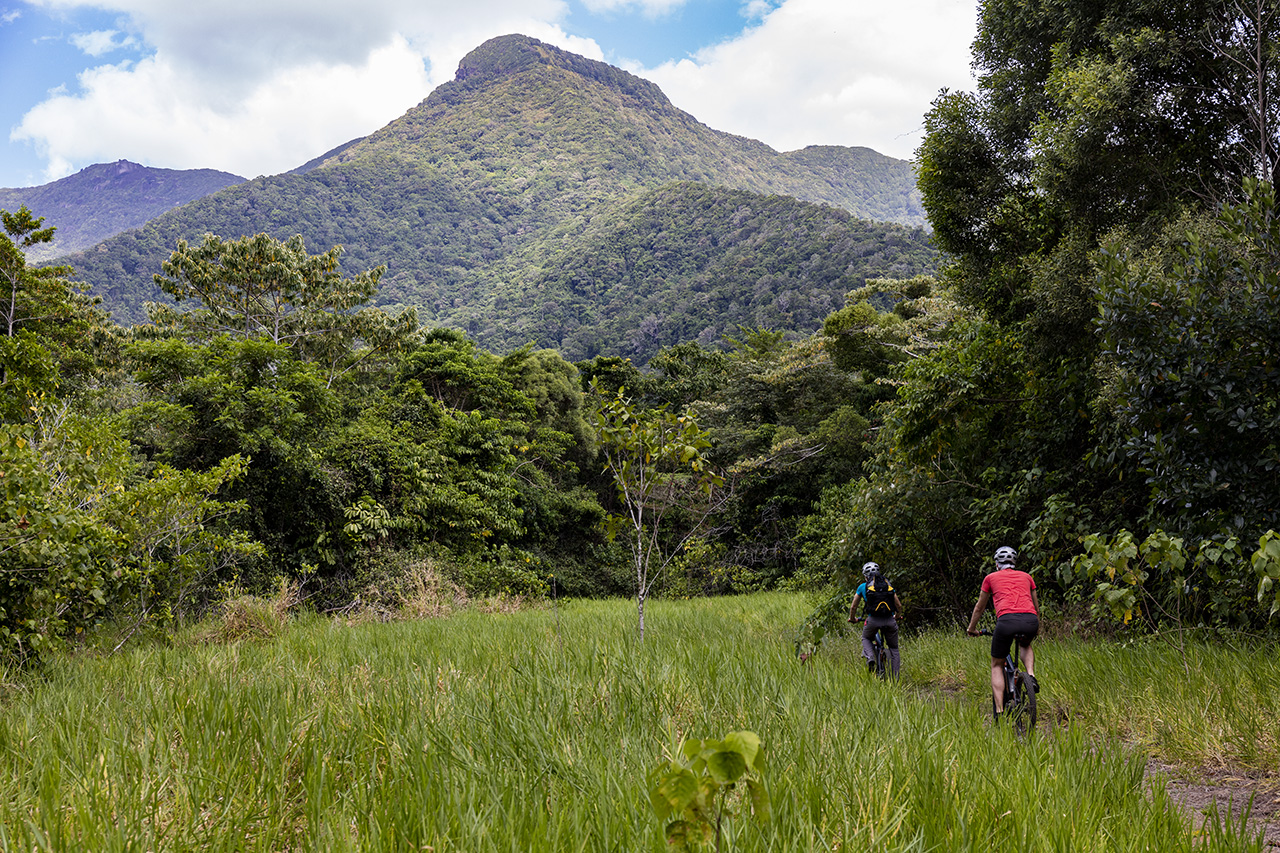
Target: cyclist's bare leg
1028,656
997,683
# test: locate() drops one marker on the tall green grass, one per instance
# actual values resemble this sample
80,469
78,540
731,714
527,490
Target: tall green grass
1201,705
534,731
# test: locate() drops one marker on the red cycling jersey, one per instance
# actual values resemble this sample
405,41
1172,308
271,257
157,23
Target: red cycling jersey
1010,590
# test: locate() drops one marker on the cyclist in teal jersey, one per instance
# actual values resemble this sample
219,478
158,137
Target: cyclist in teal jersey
1017,607
882,609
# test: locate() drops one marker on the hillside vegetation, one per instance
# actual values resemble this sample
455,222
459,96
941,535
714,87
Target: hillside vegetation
523,161
690,262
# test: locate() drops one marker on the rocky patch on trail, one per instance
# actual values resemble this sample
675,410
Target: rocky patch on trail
1225,790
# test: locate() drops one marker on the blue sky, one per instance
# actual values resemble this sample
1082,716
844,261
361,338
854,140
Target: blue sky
256,87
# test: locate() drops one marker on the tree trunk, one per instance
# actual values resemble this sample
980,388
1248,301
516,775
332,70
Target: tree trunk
640,607
640,582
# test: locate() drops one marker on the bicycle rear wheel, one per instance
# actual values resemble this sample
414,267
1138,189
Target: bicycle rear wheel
1022,710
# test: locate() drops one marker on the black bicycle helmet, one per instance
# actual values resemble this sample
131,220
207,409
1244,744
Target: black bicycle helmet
1006,556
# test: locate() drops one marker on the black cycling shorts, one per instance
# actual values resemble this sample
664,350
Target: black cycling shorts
1025,626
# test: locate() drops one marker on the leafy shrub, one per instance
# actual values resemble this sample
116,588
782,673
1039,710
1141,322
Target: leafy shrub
705,568
597,570
502,571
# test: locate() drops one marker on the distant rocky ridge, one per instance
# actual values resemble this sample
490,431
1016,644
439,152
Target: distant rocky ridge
102,200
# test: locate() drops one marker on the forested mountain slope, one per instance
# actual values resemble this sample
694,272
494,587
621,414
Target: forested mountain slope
688,262
102,200
530,156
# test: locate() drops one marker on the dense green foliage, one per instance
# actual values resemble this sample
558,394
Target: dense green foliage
537,731
103,200
307,437
1196,330
1107,362
429,444
689,262
369,446
46,321
88,531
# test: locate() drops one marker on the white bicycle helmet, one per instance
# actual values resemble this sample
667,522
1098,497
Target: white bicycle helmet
869,569
1006,556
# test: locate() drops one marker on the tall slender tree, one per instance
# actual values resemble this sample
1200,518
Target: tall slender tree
658,463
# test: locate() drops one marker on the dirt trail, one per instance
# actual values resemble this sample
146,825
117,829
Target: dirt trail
1197,796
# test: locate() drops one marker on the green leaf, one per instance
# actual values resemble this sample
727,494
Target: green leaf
727,765
672,790
691,749
759,796
746,743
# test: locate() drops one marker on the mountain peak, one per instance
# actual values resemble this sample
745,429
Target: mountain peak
107,198
509,55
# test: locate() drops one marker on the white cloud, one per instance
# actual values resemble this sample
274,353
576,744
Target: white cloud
102,42
10,16
256,87
854,72
261,86
152,111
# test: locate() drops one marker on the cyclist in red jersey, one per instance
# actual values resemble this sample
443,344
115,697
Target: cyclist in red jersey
1017,614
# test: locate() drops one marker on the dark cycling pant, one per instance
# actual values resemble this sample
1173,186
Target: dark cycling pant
1026,625
888,626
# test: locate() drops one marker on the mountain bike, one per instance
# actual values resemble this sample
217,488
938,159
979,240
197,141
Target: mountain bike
879,655
1019,693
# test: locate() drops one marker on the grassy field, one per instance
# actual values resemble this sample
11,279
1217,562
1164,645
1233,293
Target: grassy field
535,731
